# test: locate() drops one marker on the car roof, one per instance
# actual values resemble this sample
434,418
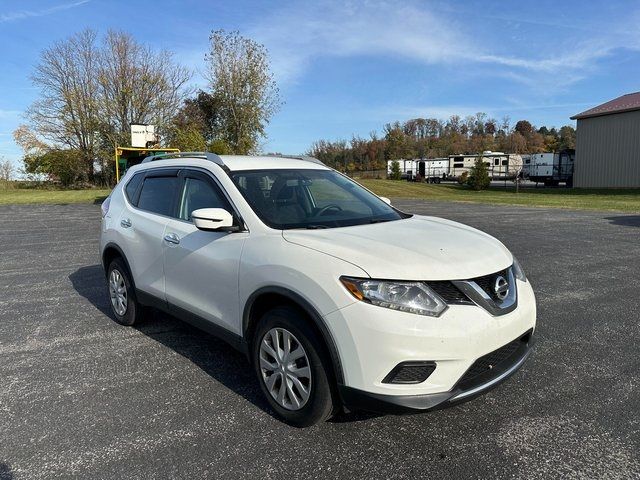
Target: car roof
233,163
261,162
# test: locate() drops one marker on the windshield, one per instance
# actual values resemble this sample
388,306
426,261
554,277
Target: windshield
285,199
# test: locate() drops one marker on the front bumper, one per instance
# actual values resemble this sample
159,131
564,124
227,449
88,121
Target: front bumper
466,389
371,341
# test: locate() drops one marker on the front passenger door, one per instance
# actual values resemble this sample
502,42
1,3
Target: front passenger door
201,268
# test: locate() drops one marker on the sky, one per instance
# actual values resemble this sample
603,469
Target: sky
347,68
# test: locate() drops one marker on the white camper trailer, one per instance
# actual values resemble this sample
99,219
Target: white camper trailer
552,168
433,170
459,164
407,167
500,165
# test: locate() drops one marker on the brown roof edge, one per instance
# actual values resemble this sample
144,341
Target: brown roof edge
624,103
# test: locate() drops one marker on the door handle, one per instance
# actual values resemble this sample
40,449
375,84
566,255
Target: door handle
172,238
125,223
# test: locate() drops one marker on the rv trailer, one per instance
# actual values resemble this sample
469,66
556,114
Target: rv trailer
433,170
501,165
407,168
552,168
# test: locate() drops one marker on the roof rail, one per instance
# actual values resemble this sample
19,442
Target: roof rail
204,155
298,157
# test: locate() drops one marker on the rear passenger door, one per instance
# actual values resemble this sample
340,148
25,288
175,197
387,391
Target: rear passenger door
143,227
201,268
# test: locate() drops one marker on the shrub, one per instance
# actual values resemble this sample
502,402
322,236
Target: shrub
64,166
479,176
395,170
462,179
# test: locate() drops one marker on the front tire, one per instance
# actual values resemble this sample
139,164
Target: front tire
291,366
124,304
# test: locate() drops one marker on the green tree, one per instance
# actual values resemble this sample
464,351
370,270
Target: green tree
244,88
550,143
60,165
188,139
202,113
479,175
395,170
567,138
220,147
398,144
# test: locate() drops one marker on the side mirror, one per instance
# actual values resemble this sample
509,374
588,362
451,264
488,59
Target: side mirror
213,220
386,200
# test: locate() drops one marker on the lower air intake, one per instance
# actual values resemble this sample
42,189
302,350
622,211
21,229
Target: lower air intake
492,364
410,372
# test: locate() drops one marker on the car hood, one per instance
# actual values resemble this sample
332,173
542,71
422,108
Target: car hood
416,248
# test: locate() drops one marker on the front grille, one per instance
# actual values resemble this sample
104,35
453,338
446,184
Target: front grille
487,282
449,293
494,363
410,372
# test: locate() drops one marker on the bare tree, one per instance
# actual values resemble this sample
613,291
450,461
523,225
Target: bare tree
66,112
137,85
29,141
90,92
241,80
6,170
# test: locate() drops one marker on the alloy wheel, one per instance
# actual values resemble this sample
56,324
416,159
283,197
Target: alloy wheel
285,368
118,292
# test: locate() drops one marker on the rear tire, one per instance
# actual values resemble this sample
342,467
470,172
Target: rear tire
124,304
292,367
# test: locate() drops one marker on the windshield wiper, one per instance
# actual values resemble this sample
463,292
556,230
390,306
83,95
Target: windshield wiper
315,227
379,220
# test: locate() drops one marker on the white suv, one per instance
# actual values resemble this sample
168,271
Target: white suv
338,299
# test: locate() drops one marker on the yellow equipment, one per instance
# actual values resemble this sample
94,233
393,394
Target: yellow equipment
129,156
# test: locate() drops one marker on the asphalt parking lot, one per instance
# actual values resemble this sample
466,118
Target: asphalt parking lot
84,397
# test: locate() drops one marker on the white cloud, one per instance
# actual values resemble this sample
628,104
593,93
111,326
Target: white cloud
22,14
303,32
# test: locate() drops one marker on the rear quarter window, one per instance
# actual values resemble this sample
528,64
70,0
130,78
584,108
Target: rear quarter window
132,187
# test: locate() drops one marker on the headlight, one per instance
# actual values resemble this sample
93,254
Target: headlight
518,271
412,297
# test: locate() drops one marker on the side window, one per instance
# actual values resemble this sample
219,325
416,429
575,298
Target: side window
257,190
157,194
132,187
505,162
198,193
496,161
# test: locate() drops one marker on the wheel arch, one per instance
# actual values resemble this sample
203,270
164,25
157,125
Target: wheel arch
112,251
267,297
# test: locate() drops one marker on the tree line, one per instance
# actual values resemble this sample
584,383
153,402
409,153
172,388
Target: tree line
91,89
435,138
